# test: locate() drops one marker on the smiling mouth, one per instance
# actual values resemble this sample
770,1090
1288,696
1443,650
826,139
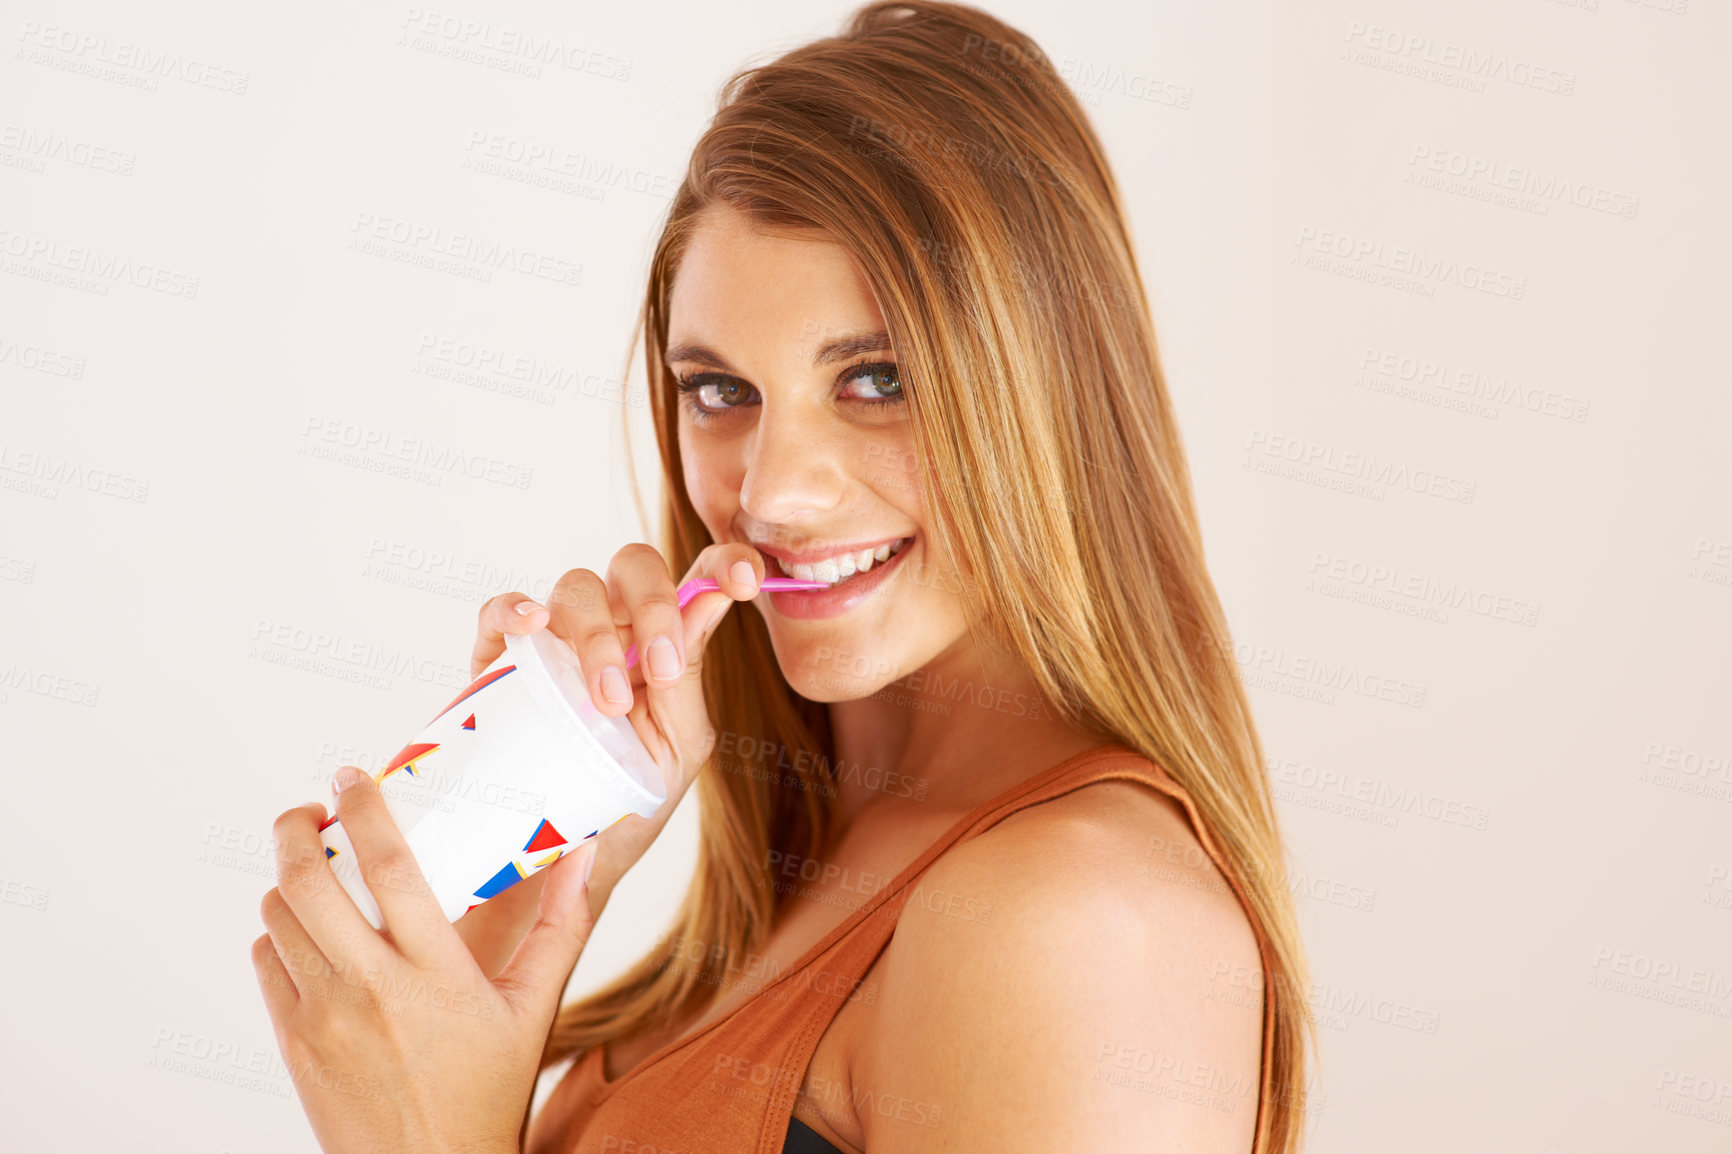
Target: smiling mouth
843,566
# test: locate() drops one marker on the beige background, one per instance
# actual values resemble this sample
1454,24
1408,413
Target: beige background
1497,725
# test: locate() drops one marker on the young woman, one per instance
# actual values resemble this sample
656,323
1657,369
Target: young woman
988,857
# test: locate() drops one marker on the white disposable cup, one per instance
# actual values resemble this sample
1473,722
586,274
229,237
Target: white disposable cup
515,773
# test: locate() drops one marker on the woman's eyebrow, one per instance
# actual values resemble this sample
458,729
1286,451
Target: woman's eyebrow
839,349
852,345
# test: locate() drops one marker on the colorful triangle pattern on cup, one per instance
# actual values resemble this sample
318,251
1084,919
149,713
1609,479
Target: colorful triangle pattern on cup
544,837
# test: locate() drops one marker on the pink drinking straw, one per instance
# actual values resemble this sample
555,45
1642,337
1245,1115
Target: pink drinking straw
701,584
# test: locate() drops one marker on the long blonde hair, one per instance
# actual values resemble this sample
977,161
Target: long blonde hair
941,148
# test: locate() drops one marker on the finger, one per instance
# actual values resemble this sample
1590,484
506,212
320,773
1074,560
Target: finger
738,571
411,913
311,890
736,568
275,982
306,966
677,712
536,975
506,613
584,619
641,585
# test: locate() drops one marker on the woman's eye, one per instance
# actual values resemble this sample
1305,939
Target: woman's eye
875,383
724,395
713,393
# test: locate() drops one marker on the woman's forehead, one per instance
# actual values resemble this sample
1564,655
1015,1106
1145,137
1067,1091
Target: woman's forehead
738,287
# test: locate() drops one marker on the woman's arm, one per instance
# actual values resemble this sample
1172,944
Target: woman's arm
1047,989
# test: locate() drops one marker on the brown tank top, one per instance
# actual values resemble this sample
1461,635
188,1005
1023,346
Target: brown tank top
703,1091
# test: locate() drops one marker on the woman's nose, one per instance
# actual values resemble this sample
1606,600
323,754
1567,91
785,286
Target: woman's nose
791,470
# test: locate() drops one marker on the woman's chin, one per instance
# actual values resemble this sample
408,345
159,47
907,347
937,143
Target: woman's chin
822,673
828,688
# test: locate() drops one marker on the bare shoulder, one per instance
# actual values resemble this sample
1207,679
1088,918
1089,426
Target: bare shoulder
1113,855
1059,977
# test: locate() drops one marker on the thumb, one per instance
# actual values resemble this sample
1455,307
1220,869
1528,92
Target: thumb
680,711
705,615
536,975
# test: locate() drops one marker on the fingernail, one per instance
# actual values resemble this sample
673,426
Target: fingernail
664,659
743,572
614,687
347,776
589,865
527,607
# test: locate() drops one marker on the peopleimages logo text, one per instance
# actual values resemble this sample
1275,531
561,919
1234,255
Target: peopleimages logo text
1412,262
464,246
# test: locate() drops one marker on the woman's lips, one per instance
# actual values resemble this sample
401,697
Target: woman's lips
811,604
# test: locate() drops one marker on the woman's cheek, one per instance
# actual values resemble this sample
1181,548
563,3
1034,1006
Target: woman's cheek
893,469
707,487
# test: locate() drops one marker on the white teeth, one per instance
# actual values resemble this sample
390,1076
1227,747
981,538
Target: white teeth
844,565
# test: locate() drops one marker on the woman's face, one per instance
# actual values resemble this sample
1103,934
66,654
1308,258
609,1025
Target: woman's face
795,439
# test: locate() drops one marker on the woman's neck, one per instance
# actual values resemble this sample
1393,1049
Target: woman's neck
964,728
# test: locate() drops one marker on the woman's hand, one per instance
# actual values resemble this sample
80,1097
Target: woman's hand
637,603
396,1040
428,1035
